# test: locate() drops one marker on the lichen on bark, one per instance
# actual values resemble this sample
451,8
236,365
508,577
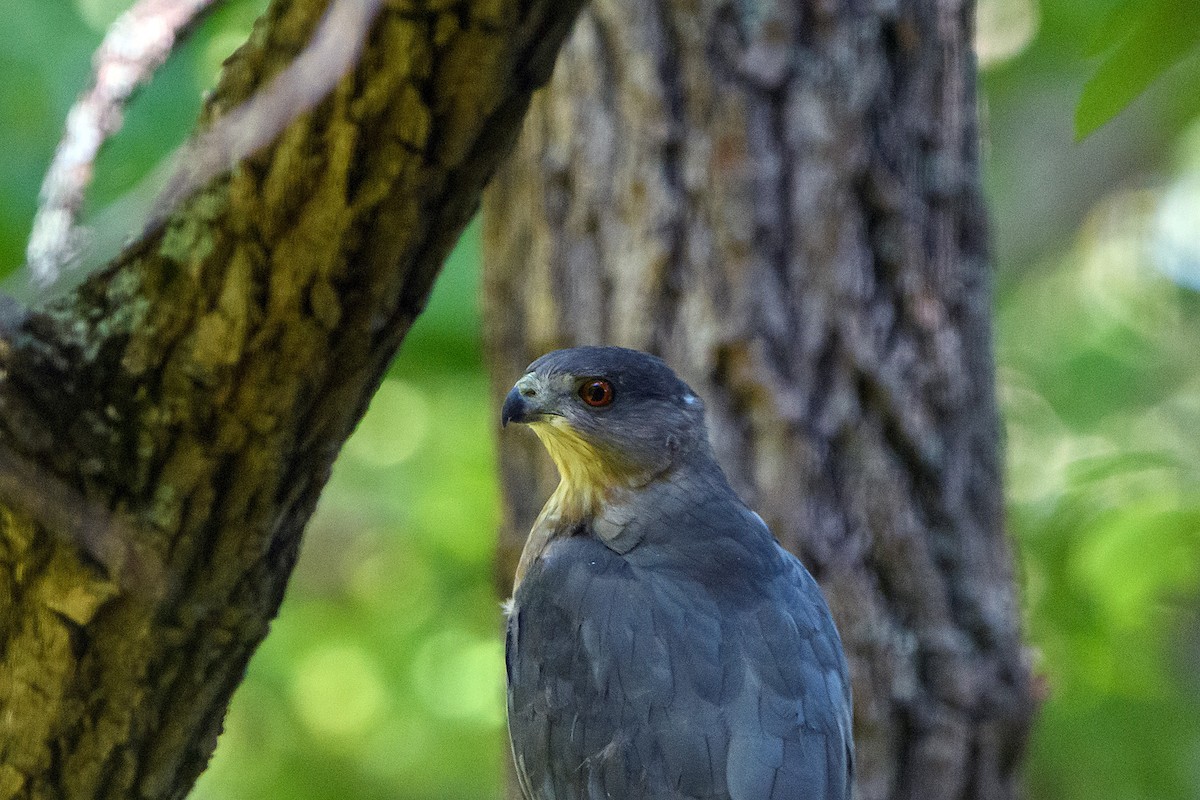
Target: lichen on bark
184,404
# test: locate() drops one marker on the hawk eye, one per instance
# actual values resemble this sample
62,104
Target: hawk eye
596,392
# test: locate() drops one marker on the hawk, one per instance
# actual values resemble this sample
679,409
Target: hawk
661,645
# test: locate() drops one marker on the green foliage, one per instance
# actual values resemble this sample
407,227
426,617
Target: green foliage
1138,42
1102,398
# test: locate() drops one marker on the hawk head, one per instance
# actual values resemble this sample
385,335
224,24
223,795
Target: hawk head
610,417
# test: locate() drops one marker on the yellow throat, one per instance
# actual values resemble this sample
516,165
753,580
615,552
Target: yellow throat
587,477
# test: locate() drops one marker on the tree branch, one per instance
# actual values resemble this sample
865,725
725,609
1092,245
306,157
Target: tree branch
136,45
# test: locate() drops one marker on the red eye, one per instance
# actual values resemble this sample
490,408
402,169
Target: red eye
596,393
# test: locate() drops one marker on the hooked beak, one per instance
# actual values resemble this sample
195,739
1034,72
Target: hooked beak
522,403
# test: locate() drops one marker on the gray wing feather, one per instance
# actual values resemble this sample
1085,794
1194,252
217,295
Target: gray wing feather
642,678
796,709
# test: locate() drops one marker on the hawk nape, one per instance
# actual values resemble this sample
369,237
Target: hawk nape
661,644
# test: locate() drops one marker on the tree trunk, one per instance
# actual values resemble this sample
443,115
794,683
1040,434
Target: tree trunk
783,200
165,429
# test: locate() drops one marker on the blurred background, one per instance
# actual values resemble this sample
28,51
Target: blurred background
382,677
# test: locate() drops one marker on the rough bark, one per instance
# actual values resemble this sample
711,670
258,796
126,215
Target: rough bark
165,428
783,200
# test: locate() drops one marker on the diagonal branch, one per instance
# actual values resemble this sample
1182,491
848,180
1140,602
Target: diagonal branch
136,45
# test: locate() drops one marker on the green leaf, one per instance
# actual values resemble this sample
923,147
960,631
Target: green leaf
1140,41
1114,27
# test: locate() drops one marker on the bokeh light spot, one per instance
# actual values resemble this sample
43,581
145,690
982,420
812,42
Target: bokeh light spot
338,691
459,676
1175,249
394,426
1003,28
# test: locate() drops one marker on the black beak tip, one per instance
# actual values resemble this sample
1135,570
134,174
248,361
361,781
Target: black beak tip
514,408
